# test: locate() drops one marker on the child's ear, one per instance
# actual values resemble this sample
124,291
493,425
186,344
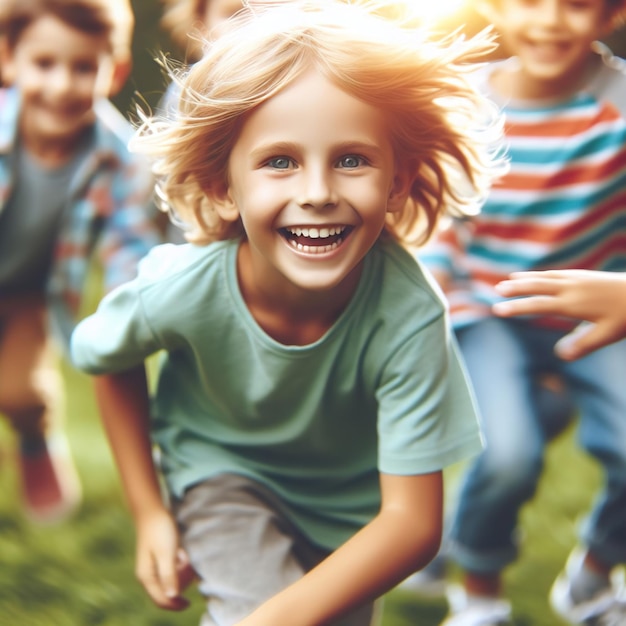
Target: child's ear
614,21
7,67
121,72
400,190
224,204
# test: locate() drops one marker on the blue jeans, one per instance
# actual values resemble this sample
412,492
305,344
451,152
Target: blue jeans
504,358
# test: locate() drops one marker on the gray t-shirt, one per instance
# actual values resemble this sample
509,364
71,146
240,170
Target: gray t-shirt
30,221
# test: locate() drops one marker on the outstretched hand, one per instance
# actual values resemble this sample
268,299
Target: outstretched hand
596,298
162,567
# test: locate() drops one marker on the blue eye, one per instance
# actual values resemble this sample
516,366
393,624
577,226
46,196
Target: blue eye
280,163
351,161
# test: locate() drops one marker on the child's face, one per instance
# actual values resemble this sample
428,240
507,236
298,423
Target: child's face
312,177
217,12
59,72
551,38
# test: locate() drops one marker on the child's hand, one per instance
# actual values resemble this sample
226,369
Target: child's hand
162,566
596,298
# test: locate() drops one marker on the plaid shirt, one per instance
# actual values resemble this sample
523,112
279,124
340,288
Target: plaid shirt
109,210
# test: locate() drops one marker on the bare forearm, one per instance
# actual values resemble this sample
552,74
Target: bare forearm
124,406
396,543
371,563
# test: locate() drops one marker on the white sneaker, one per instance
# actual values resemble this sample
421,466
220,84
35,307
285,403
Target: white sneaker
487,612
606,608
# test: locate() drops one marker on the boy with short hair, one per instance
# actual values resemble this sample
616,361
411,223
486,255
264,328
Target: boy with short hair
68,186
561,206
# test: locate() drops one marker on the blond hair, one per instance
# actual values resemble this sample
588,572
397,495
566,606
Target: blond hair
112,19
440,125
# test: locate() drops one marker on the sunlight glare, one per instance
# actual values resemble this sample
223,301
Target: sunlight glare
436,10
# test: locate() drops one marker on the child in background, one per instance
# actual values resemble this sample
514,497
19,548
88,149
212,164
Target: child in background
598,298
560,206
67,185
188,23
310,392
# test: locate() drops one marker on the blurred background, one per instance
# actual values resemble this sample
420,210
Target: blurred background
80,573
150,40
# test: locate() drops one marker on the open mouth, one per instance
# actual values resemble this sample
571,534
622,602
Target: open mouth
315,239
62,113
547,48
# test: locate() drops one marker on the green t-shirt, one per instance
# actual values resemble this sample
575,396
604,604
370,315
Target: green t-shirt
382,390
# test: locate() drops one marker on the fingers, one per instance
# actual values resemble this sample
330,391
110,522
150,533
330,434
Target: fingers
583,340
542,305
186,574
539,289
158,574
528,284
541,274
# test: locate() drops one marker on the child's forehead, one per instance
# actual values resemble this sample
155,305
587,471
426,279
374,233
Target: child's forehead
107,22
48,33
313,113
221,8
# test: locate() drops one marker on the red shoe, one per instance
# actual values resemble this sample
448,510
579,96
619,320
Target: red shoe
50,485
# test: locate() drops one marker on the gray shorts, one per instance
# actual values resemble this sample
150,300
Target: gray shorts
244,549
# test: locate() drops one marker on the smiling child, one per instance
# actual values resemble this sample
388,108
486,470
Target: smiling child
310,391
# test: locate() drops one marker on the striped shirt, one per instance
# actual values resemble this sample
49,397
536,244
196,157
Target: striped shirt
561,205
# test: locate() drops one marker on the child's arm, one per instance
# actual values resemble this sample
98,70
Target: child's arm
124,406
596,297
403,537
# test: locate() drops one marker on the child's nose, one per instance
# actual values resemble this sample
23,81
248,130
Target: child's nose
61,80
549,12
316,189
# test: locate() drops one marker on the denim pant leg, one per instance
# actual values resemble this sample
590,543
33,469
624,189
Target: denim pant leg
599,384
505,475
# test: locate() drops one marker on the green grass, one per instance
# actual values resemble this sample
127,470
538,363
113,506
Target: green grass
80,573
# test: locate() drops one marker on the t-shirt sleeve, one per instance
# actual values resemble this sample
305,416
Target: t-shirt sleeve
427,413
117,336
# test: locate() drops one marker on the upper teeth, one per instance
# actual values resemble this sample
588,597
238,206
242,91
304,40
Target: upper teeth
316,233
